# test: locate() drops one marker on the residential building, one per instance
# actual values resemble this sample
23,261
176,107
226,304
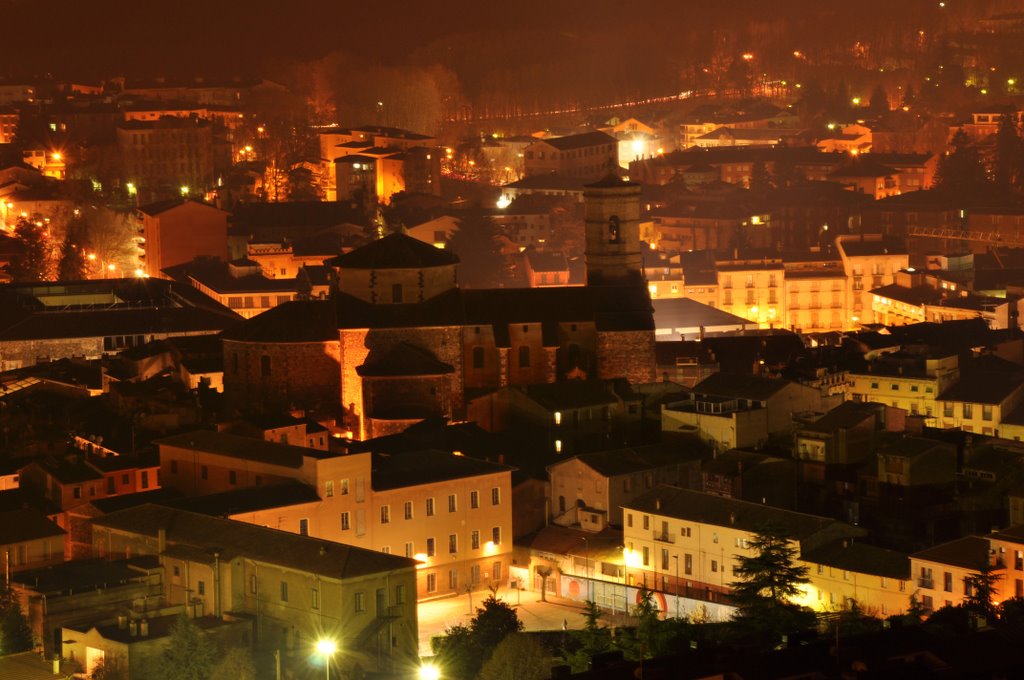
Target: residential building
869,263
167,157
911,382
587,156
239,285
28,538
452,513
178,231
753,289
292,588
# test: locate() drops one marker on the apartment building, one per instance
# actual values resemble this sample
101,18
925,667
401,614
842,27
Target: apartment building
753,289
869,263
906,381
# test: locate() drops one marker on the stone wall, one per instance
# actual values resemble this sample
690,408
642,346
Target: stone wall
626,354
300,374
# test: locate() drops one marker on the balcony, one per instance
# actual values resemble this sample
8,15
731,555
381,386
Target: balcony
664,537
928,583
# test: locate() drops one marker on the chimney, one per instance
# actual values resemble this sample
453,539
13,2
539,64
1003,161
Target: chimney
144,628
133,628
122,621
732,519
657,504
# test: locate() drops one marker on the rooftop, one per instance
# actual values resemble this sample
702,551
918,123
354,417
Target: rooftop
970,552
244,448
395,251
414,468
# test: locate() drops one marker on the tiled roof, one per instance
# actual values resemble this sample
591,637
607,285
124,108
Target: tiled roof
244,448
414,468
969,552
395,251
26,524
579,141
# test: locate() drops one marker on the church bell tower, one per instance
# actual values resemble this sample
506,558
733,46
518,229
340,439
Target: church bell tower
612,209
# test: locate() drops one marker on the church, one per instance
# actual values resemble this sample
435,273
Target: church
398,340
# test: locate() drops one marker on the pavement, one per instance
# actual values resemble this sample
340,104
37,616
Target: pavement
437,615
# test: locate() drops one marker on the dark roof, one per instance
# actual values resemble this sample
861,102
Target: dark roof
639,459
983,387
394,251
297,321
579,141
740,386
445,309
403,359
861,558
159,627
687,313
237,539
549,182
154,209
970,552
217,276
397,470
694,506
846,415
245,448
547,262
249,499
570,394
262,217
862,166
69,470
26,524
867,248
110,504
918,295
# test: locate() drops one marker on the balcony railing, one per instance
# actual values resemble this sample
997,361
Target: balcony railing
664,537
926,583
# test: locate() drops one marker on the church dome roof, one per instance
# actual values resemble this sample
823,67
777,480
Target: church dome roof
395,251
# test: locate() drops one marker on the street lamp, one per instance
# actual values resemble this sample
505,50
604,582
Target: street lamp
326,648
429,671
586,563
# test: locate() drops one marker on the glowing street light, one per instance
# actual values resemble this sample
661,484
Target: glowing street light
326,648
132,189
429,671
184,190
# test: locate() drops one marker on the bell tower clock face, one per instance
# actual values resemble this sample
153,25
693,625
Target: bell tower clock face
613,229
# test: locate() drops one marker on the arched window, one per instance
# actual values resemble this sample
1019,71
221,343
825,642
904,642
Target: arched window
478,357
524,356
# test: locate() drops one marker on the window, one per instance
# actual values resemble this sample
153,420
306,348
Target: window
947,582
647,556
343,487
647,522
474,574
474,539
453,579
452,503
968,411
495,496
474,499
265,366
431,551
629,520
478,357
986,412
145,479
360,601
409,550
496,571
408,509
314,598
524,356
431,583
304,527
201,587
430,507
453,544
714,565
399,594
688,564
496,535
396,293
345,525
329,488
284,591
385,514
254,585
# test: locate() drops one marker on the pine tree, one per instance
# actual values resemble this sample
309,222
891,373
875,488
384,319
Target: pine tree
74,263
1009,154
981,589
961,174
593,639
190,655
768,582
879,104
15,633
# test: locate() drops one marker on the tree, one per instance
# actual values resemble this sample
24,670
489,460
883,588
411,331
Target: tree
760,179
544,572
111,667
494,621
456,653
593,639
647,639
879,104
517,657
190,655
15,633
960,173
236,663
475,242
34,262
981,590
768,581
1009,154
74,263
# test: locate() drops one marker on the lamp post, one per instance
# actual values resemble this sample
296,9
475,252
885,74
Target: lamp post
586,564
429,671
326,648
